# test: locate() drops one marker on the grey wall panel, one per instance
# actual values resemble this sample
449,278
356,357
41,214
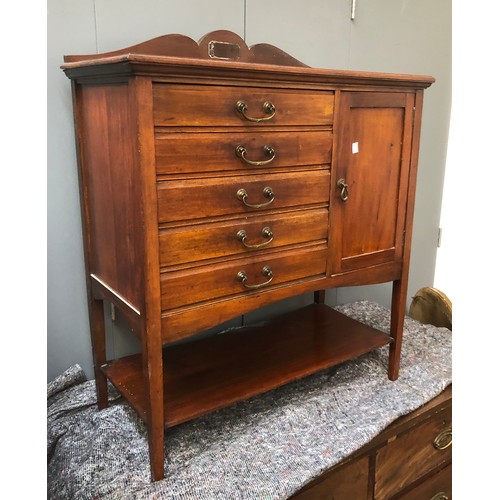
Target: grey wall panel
120,23
88,27
70,27
314,32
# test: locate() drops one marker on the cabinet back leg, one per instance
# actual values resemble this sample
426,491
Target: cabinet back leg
398,308
98,337
319,296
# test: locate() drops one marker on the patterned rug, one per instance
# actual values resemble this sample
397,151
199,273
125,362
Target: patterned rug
265,448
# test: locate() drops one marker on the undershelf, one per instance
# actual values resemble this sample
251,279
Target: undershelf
215,372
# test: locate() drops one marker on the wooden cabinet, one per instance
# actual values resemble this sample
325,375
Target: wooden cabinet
411,459
216,179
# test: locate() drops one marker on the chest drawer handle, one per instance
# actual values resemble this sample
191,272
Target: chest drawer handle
242,195
442,440
266,271
440,496
268,108
241,152
266,233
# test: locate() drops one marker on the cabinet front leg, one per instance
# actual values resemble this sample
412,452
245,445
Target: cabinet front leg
398,308
153,375
98,338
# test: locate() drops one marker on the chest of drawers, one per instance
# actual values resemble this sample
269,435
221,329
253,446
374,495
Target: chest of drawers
410,459
216,179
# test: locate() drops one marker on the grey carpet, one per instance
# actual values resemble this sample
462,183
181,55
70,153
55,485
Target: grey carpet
265,448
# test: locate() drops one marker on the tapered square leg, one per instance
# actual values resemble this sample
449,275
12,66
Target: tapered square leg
98,338
398,308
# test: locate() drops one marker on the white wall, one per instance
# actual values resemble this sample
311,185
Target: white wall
467,267
387,35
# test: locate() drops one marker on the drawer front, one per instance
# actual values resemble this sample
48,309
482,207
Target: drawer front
186,287
207,241
217,106
210,197
349,482
412,455
437,487
211,152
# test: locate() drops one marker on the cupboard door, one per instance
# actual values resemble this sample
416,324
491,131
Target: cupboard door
371,181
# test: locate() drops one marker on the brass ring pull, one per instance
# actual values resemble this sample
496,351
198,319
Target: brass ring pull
266,271
344,191
241,152
268,108
266,233
242,195
443,440
440,496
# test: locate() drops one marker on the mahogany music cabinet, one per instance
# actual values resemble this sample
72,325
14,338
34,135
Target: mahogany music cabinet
216,179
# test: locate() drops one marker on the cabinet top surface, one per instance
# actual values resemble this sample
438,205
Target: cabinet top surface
221,52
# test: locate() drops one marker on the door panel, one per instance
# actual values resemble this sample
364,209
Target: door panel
374,158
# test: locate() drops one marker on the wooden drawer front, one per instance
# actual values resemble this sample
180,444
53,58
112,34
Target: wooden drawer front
437,487
215,196
216,106
411,455
207,241
212,152
185,287
350,482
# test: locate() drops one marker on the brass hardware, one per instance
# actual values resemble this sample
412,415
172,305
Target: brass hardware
266,233
267,192
268,108
268,151
344,191
266,271
440,496
442,440
223,50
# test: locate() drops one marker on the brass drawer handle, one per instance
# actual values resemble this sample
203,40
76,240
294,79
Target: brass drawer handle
268,108
241,152
440,496
344,191
266,233
267,192
442,440
266,271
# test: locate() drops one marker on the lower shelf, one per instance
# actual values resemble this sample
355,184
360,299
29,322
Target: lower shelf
208,374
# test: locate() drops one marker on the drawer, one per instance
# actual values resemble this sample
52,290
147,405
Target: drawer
350,482
413,454
217,196
206,241
437,487
186,287
217,106
211,152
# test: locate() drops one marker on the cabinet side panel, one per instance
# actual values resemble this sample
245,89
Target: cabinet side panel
111,188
